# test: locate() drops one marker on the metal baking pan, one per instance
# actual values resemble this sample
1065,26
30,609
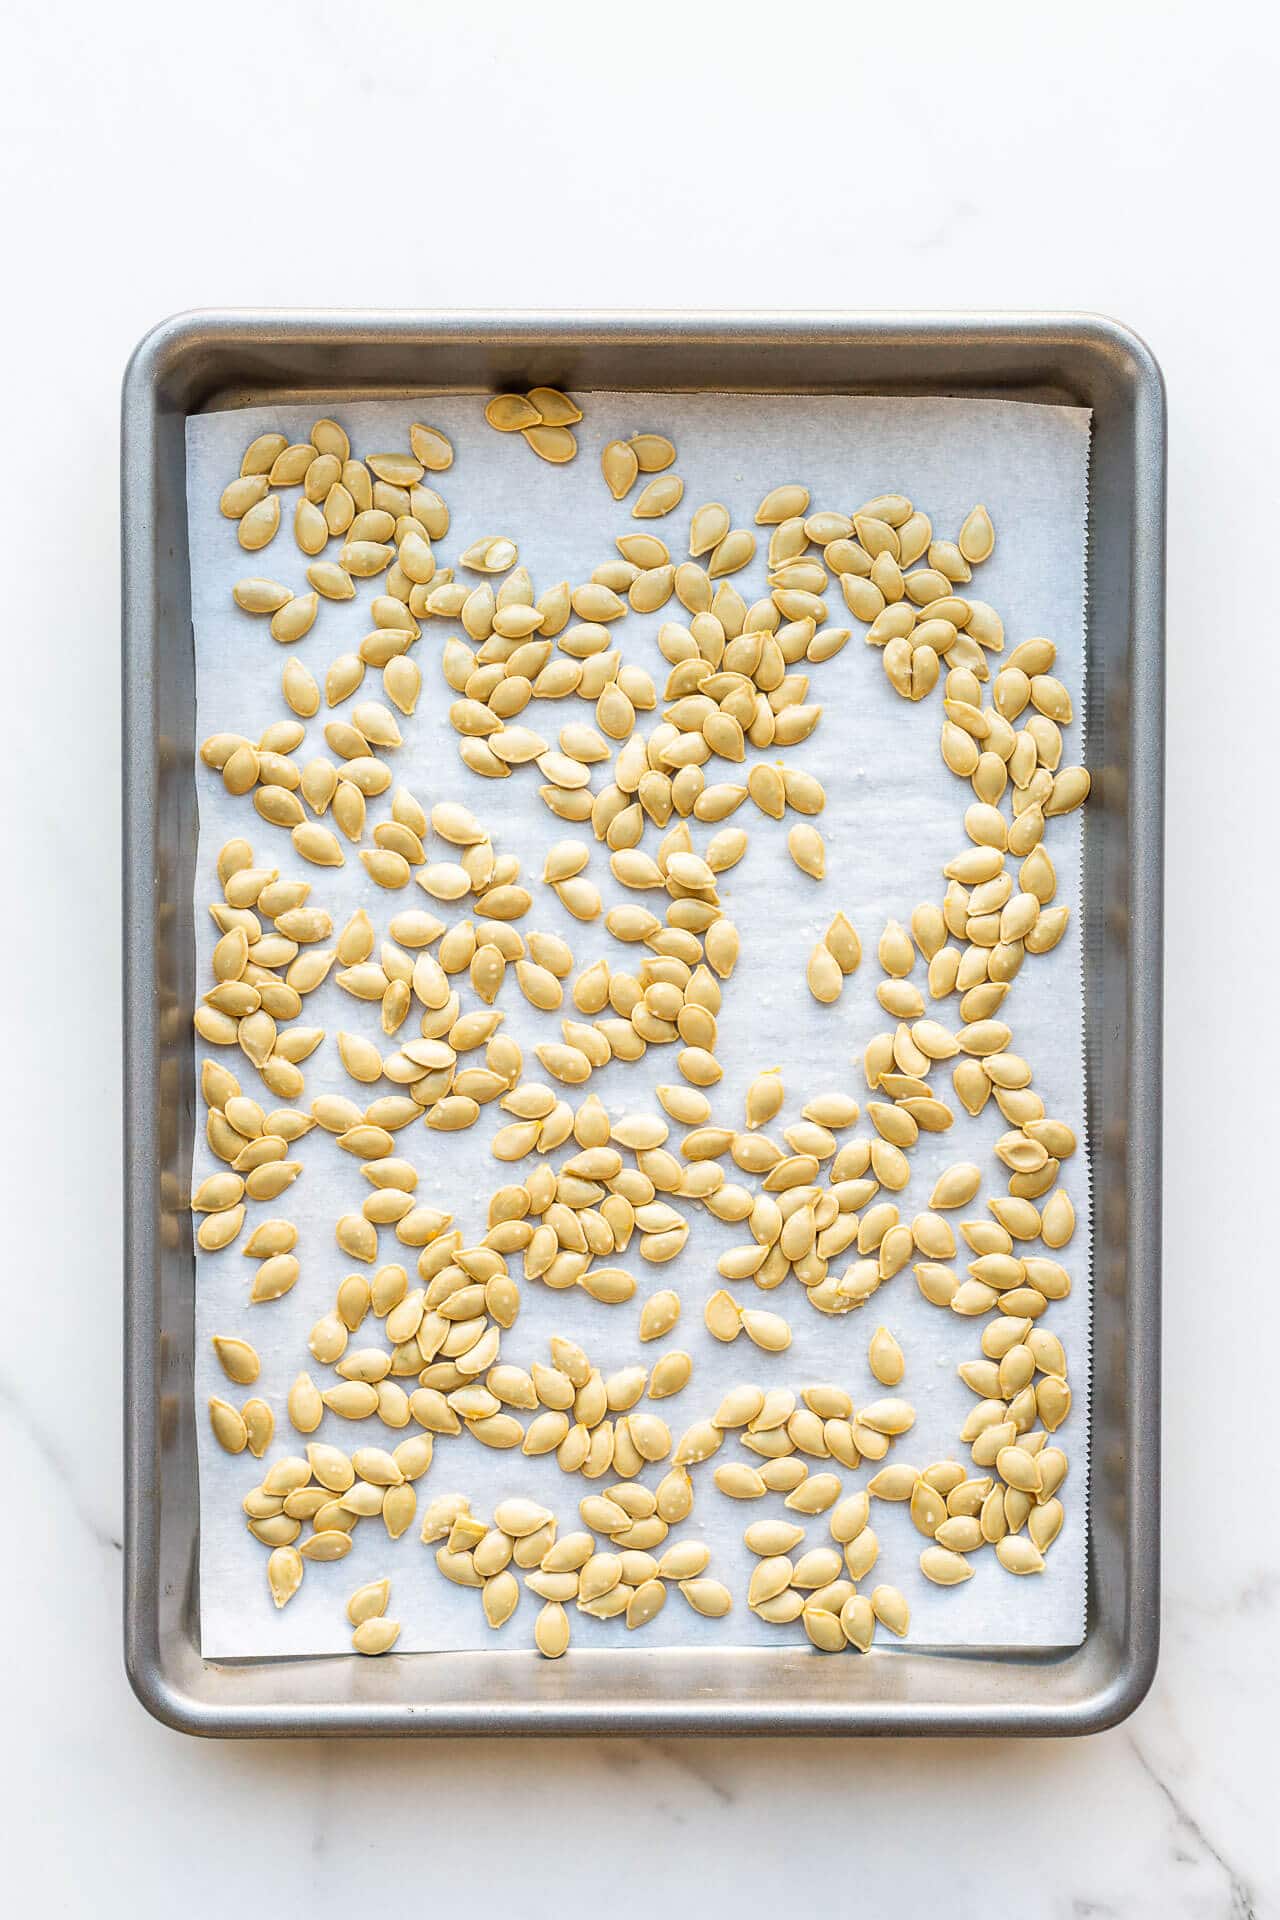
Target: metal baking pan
205,360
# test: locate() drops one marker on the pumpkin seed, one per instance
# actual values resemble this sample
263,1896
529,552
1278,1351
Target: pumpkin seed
891,1610
824,975
375,1634
261,454
884,1357
977,537
1017,1554
660,497
285,1569
512,412
554,444
228,1425
956,1186
259,1425
805,845
709,1597
814,1494
238,1359
944,1567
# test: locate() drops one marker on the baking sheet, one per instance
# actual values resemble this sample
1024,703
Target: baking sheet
893,815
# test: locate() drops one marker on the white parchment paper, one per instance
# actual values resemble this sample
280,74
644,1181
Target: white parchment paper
893,815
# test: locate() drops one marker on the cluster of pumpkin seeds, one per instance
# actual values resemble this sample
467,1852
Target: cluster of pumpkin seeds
366,1610
328,1490
819,1586
544,417
817,1209
260,978
626,1581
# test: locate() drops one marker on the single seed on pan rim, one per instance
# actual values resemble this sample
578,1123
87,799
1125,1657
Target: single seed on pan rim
511,413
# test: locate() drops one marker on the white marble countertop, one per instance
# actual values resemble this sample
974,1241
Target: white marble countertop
1109,158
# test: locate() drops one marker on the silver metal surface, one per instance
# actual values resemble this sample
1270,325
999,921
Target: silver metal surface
208,360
